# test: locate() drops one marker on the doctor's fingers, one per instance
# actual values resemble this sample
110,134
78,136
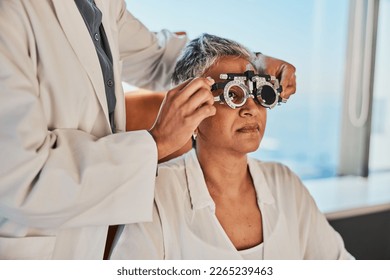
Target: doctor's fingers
288,81
202,97
198,86
193,120
191,113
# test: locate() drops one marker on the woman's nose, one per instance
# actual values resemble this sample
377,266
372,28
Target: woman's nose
250,108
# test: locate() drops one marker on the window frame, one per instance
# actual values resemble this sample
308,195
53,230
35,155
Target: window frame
359,87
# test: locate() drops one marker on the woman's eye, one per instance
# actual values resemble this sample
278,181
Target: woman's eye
232,95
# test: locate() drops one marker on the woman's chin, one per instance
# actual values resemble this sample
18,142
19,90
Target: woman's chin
249,147
252,143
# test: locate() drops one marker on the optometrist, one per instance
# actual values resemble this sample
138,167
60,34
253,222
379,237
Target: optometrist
68,169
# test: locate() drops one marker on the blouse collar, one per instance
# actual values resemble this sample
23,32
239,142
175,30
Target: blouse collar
199,194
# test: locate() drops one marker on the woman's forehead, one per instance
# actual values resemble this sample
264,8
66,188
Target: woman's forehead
228,64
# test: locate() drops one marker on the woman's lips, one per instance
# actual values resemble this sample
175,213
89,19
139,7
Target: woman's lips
249,128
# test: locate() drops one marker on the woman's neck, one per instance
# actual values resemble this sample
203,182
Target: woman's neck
225,173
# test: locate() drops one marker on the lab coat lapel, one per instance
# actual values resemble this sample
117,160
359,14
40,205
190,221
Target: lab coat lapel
79,38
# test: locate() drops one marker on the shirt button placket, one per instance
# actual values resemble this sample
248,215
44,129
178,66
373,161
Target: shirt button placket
110,83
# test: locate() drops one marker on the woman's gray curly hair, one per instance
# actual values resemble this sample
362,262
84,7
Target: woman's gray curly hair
202,52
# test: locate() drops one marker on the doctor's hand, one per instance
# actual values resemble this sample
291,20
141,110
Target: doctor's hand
282,70
182,110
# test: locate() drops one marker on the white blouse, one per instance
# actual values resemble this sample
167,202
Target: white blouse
254,253
185,225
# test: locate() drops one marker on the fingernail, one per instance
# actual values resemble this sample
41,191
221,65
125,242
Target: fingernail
211,80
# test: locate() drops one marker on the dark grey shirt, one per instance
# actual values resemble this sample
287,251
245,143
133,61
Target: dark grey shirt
93,19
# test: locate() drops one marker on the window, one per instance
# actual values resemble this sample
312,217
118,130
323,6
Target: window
380,128
312,35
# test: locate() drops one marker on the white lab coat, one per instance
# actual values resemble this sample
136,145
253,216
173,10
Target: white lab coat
63,176
185,225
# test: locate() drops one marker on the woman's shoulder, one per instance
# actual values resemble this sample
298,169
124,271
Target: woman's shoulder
171,167
271,168
171,192
171,176
280,179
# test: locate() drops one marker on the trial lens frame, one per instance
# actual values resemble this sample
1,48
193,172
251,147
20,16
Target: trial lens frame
264,89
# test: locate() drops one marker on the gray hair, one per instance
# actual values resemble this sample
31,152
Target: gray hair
202,52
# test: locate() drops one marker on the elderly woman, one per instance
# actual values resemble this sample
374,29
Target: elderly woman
216,203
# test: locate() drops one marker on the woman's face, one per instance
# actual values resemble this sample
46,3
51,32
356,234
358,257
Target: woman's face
237,130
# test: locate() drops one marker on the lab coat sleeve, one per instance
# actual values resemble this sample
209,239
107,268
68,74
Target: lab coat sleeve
62,178
140,241
148,58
